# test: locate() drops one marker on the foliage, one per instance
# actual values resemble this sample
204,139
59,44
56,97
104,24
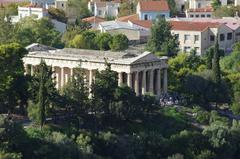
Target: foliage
119,42
103,40
226,11
127,8
173,7
30,30
78,7
104,87
43,92
85,40
216,4
11,68
161,38
57,14
6,31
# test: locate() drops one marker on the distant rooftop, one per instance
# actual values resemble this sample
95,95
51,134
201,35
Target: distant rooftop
192,26
154,6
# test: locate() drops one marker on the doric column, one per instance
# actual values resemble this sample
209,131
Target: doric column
53,73
62,77
136,83
71,73
26,69
144,86
32,70
90,82
129,80
165,81
158,82
151,81
57,80
120,80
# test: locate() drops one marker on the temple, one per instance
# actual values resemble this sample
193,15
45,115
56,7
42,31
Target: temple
143,72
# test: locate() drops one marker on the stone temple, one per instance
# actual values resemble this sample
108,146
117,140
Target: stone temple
143,72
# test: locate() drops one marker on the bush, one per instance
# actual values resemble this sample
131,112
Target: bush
6,155
202,116
119,42
102,41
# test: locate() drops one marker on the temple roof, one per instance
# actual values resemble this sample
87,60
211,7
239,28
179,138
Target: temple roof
125,57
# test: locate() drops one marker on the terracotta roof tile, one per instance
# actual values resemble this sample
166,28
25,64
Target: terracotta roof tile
154,6
128,18
192,26
93,19
207,9
143,23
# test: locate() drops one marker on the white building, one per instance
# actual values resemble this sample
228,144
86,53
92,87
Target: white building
104,8
32,10
134,33
202,35
143,72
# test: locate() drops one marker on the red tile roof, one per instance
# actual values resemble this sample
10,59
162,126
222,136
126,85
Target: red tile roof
128,18
154,6
192,26
143,23
207,9
93,19
5,2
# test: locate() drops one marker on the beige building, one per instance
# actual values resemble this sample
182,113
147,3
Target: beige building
202,35
143,72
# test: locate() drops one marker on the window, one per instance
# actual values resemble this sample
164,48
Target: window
187,48
202,15
196,38
212,38
238,34
177,36
62,4
199,5
99,12
191,16
197,15
145,17
229,36
197,49
163,15
186,37
222,37
208,15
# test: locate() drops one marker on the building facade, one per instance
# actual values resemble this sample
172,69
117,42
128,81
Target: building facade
150,10
202,35
104,8
143,72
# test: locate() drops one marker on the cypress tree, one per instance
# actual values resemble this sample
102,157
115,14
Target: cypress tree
215,65
41,97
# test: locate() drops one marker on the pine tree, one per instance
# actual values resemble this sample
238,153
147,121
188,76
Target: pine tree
215,65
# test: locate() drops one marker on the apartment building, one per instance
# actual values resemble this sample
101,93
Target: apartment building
150,10
201,35
104,8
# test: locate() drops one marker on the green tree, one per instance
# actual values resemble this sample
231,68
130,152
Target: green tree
102,40
216,4
76,93
78,7
11,68
127,8
84,40
173,7
119,42
216,65
57,14
43,94
104,87
30,30
161,39
6,31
